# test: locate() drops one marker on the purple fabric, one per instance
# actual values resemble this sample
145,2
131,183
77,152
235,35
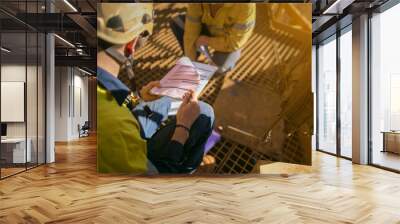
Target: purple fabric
214,138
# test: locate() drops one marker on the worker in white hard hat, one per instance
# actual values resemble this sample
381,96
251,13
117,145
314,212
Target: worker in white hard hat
131,135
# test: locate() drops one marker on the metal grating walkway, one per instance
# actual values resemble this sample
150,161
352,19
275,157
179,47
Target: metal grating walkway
268,61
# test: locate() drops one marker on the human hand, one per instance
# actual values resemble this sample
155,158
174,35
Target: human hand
189,110
145,93
202,40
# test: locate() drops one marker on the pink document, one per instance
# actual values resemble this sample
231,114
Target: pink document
182,78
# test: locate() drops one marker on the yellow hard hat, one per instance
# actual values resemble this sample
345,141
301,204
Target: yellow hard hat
120,23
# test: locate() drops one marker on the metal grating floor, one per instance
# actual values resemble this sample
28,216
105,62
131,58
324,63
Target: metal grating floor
234,158
267,61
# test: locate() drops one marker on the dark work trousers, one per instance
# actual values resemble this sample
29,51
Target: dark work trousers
158,129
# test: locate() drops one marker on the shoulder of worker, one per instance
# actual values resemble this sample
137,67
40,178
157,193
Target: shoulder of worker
109,108
195,8
113,85
111,93
243,10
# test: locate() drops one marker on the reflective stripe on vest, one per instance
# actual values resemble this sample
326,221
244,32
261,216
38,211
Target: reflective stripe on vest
245,26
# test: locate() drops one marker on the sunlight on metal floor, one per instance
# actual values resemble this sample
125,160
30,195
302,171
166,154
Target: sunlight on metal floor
269,60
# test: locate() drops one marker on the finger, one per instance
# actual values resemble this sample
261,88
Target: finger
186,98
152,94
155,97
145,87
153,84
189,94
193,96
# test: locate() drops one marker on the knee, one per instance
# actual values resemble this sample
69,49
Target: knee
207,110
226,61
165,100
178,22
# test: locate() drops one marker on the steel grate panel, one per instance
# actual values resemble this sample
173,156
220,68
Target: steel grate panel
234,158
267,61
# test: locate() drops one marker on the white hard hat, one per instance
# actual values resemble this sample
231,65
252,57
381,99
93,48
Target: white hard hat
120,23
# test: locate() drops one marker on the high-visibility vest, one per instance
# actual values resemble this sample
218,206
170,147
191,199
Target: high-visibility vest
230,28
120,148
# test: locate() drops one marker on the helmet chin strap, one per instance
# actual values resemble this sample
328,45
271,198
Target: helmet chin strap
140,42
125,67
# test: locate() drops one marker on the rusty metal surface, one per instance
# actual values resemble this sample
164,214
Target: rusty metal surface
252,116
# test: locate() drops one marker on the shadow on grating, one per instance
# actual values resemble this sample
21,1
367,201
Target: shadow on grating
234,158
267,61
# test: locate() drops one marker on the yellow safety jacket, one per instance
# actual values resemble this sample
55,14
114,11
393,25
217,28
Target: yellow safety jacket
120,148
230,28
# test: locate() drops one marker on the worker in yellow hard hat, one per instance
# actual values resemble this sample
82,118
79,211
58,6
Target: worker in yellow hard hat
134,134
225,27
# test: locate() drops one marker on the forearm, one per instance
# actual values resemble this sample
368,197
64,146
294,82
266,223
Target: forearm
192,29
180,135
190,48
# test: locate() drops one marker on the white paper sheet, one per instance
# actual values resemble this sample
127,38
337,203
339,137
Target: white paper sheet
205,72
183,77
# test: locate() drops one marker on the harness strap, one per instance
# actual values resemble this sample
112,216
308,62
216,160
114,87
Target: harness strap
126,66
